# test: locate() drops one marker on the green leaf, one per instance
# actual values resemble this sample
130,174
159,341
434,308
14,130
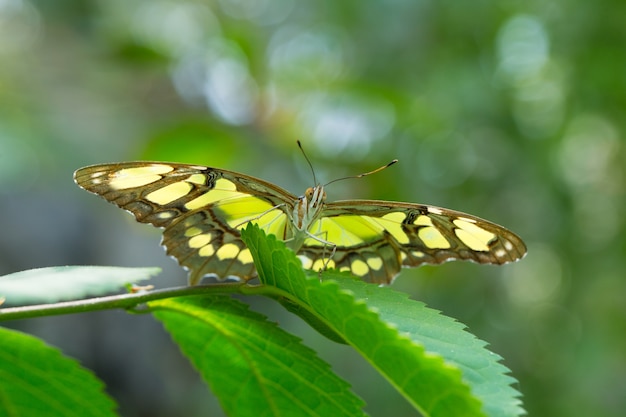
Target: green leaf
428,357
48,285
252,366
445,336
37,380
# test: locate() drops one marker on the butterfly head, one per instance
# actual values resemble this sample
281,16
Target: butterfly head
315,195
309,206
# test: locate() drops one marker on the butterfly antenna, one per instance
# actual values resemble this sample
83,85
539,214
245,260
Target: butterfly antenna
364,174
308,162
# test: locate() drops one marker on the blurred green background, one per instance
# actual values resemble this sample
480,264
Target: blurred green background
509,110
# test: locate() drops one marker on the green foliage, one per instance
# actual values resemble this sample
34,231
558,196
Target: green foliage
446,337
49,285
510,110
428,357
253,366
36,380
256,368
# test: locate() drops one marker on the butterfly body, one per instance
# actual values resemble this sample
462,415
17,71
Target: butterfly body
307,209
203,209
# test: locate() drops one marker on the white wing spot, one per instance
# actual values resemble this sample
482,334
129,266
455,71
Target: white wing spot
433,238
199,241
465,219
375,263
165,215
306,262
196,179
359,267
245,257
206,251
193,231
473,236
423,221
138,177
169,193
320,265
228,251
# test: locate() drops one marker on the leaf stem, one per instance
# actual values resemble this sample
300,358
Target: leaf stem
123,301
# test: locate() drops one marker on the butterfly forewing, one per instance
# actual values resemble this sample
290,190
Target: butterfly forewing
202,210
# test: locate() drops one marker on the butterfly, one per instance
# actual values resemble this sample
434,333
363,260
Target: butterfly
203,210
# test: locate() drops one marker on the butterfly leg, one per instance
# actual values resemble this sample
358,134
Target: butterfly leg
325,260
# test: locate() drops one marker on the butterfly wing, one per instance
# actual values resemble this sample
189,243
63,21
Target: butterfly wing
375,239
202,210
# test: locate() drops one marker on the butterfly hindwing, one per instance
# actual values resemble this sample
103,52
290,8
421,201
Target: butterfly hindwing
202,210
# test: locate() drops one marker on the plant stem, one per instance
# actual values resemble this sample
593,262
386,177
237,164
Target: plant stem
123,301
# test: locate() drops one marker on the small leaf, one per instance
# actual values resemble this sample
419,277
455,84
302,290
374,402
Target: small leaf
49,285
252,366
37,380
